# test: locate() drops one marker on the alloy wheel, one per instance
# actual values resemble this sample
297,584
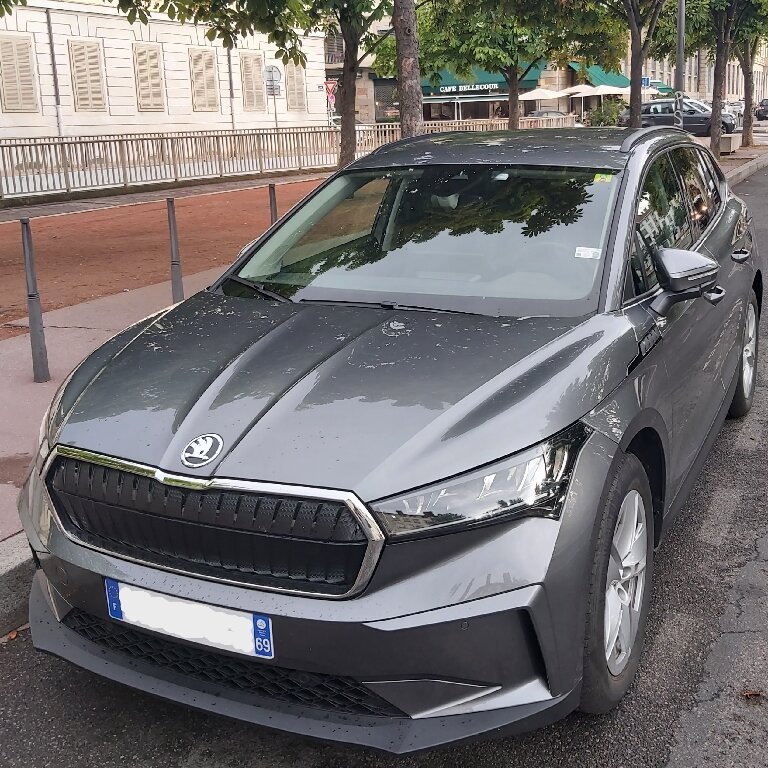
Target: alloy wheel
625,582
748,360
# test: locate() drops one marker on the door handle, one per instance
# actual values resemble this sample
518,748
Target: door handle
715,295
740,255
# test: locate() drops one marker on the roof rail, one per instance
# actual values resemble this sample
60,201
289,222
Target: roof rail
639,134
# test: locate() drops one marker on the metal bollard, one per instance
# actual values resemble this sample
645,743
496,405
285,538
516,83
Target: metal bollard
273,203
36,330
177,285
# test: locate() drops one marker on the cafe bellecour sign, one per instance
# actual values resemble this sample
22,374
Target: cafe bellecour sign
480,82
468,88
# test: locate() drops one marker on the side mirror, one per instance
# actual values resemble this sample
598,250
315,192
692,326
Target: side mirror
685,275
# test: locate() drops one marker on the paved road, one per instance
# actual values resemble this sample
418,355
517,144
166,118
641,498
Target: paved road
708,645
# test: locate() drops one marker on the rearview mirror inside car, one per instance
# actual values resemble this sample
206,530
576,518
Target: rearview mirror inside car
685,275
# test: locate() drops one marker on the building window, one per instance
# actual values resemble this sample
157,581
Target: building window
294,87
87,77
17,79
148,66
252,75
205,94
334,48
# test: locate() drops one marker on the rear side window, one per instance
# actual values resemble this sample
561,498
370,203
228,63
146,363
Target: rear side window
712,179
661,221
687,161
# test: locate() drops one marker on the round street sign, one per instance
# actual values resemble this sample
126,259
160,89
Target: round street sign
272,75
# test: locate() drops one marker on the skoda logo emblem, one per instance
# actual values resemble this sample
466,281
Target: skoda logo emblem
201,451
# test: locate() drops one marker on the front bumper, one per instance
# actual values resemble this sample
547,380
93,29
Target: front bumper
461,634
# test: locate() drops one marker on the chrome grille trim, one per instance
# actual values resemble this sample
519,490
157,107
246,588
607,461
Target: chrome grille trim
361,513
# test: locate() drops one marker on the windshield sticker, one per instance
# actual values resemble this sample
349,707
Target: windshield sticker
587,253
603,178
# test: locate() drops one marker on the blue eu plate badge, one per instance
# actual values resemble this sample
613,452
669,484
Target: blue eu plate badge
262,637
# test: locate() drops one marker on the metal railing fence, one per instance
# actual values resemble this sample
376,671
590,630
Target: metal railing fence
42,166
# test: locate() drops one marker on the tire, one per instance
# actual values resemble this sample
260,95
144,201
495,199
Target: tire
745,386
603,687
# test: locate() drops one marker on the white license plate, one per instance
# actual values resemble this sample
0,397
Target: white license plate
224,628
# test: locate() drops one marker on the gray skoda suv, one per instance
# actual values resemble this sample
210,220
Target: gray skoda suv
398,476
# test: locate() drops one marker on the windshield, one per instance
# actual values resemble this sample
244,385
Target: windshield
699,106
497,240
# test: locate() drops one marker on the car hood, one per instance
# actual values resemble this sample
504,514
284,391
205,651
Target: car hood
370,400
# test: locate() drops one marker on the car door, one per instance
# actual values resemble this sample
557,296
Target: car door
695,119
664,220
724,231
664,113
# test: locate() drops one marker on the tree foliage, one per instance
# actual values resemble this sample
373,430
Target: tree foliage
459,36
641,17
723,28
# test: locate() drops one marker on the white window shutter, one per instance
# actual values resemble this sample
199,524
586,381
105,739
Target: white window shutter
87,77
205,93
252,75
148,65
295,90
17,75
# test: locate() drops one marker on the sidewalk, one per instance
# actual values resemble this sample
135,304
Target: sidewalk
71,334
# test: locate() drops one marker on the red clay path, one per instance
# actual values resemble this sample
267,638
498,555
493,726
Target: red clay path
83,256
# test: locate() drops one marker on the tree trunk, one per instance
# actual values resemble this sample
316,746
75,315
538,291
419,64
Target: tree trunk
636,61
703,72
513,122
408,72
722,54
348,94
746,55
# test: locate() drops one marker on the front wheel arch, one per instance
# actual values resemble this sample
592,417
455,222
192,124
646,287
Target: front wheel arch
648,448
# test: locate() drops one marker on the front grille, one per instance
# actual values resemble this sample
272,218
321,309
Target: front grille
307,689
266,540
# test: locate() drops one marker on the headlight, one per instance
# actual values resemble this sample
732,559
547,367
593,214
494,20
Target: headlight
53,418
533,482
42,438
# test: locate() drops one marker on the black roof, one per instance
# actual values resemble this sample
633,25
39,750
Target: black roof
607,148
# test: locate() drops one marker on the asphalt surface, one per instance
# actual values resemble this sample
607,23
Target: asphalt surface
700,699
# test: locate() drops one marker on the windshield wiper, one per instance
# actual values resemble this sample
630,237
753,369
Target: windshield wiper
390,305
259,288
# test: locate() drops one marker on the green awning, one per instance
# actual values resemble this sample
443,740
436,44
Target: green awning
662,87
598,76
481,81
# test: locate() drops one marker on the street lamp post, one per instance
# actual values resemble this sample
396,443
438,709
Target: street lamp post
680,68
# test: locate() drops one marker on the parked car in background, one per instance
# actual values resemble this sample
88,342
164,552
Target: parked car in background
761,111
397,477
697,117
547,113
552,113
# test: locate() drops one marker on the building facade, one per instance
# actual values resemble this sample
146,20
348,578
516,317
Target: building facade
80,68
699,75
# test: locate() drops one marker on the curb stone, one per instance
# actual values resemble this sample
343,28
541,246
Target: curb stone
16,567
16,570
737,175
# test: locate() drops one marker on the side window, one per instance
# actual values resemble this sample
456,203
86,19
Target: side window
661,221
712,179
646,110
698,191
